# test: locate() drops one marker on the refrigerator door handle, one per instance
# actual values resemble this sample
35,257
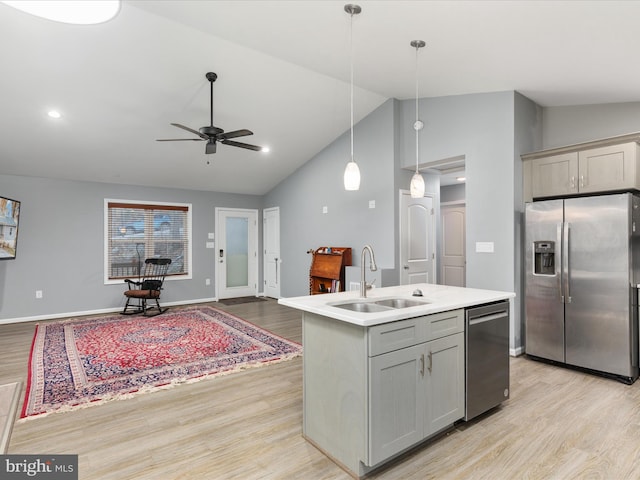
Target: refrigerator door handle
565,261
560,253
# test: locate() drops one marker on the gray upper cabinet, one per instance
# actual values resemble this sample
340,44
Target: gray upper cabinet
554,175
594,167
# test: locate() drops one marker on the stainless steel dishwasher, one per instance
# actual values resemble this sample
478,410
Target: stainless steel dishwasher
487,357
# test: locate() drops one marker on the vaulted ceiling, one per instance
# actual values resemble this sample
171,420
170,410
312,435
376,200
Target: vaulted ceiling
283,72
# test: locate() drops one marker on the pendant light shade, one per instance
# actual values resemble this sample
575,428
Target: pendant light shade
352,176
352,172
416,187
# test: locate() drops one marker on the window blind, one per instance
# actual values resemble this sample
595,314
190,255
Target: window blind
140,231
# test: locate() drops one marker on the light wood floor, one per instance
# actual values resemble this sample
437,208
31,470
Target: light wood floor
558,424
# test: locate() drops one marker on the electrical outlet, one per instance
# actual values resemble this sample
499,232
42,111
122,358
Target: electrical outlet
207,281
38,293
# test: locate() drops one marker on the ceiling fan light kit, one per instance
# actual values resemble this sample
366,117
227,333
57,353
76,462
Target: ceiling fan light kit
212,134
352,172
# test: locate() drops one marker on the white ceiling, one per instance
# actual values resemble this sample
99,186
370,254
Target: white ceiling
283,72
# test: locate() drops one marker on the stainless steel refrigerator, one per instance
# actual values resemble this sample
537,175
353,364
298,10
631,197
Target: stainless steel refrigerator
581,276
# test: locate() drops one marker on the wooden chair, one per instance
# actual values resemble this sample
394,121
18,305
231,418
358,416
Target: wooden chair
146,289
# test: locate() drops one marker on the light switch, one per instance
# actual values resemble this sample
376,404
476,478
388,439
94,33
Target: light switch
211,244
325,209
211,236
484,247
372,204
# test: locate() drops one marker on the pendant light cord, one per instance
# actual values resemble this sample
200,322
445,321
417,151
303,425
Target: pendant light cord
417,118
351,72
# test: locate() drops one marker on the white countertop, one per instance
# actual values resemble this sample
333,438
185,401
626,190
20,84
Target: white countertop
440,298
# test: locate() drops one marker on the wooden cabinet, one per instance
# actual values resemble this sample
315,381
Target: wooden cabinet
608,168
594,167
326,274
554,175
371,392
415,391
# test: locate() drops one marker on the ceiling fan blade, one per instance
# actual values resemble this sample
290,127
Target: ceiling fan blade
211,147
242,145
234,134
201,135
179,139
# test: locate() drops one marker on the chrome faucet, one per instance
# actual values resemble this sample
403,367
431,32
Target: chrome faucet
372,265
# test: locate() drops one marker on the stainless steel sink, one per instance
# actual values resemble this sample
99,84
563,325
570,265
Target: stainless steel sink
368,307
383,305
400,303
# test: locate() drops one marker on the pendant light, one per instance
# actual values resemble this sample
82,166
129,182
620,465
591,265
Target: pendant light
417,182
352,172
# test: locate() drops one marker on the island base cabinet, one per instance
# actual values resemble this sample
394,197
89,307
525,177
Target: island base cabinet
414,393
370,393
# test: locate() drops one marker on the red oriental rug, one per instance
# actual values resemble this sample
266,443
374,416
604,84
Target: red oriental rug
78,363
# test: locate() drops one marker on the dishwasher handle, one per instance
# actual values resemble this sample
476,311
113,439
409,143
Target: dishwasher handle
488,317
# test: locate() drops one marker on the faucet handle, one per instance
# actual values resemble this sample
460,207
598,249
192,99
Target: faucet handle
417,293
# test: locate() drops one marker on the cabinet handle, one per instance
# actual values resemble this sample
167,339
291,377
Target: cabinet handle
573,182
422,364
430,362
581,181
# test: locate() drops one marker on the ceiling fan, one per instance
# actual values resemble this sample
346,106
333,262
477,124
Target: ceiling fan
212,134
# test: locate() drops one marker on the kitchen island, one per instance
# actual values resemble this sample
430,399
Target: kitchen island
385,373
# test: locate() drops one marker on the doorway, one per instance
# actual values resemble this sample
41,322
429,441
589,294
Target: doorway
417,239
271,259
236,253
453,258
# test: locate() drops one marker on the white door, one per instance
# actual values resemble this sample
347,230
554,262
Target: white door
453,246
417,239
236,252
271,242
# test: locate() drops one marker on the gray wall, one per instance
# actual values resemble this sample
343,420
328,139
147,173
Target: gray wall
480,127
60,246
528,138
349,221
582,123
453,193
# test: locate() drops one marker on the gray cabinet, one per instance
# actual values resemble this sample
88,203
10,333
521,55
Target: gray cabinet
418,390
586,168
371,392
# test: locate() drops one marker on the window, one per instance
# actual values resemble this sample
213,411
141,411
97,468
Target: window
135,231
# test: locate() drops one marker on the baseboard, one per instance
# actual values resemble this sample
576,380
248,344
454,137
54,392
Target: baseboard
54,316
516,352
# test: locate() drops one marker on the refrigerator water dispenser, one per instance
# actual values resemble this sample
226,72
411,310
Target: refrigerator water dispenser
544,258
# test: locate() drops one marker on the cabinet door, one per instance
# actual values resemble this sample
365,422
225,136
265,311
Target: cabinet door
445,382
396,402
555,175
608,168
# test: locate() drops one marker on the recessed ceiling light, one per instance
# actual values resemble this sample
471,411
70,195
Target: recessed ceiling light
265,150
54,114
461,179
79,12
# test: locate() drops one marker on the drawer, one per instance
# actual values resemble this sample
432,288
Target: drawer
396,335
443,324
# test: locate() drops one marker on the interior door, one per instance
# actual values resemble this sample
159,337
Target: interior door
237,252
271,242
453,258
417,239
